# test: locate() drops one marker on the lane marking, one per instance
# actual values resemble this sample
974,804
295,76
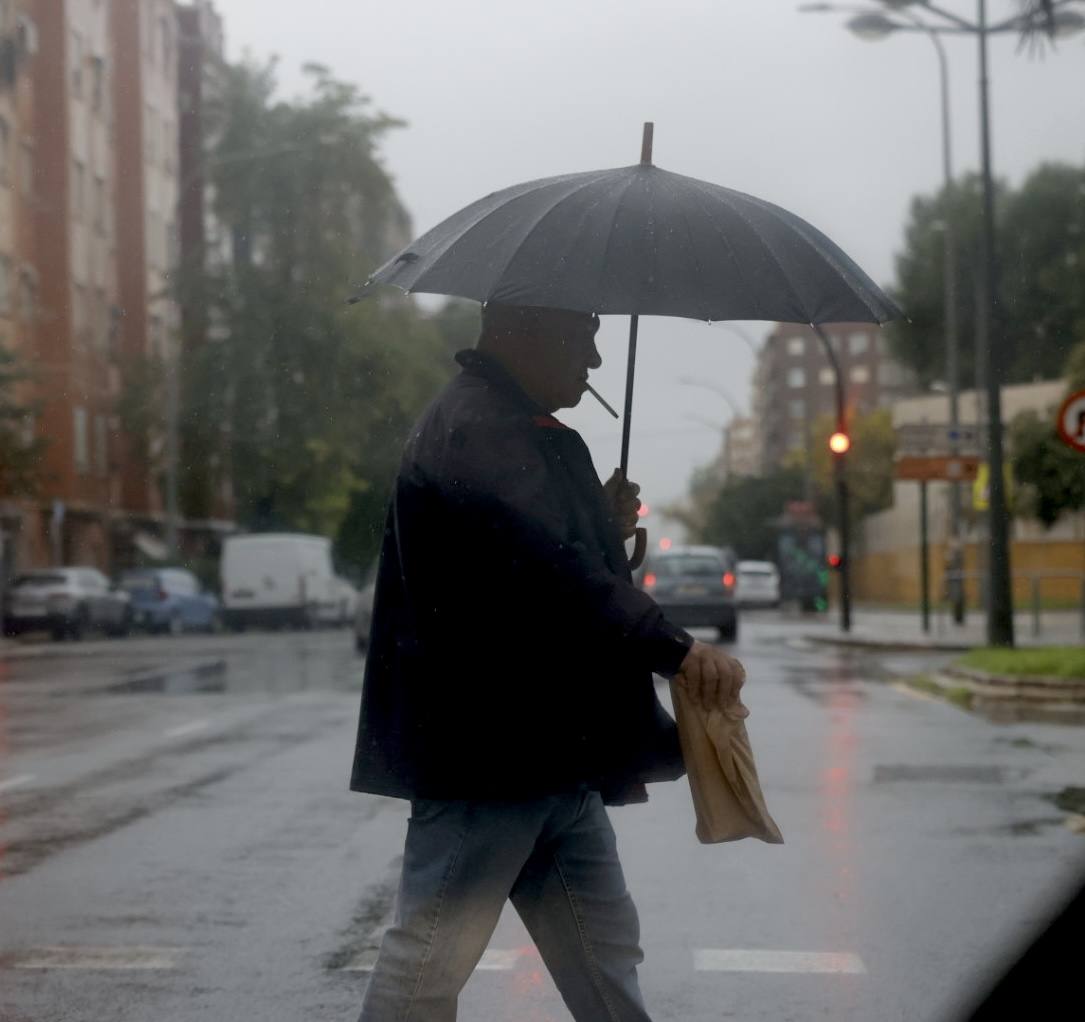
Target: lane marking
101,958
16,782
493,960
186,729
755,960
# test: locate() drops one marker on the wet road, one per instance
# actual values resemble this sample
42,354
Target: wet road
177,843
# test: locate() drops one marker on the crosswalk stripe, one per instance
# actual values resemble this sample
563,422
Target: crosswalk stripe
16,782
102,958
758,960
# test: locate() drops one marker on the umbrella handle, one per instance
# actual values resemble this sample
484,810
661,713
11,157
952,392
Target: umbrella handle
640,548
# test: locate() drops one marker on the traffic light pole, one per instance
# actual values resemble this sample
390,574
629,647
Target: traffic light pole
841,479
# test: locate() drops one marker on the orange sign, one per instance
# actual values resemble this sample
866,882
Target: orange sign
960,469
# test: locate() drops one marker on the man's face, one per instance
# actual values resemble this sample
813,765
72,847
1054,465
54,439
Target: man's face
563,351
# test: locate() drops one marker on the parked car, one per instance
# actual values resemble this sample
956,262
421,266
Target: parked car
758,584
695,586
170,600
278,579
363,617
67,602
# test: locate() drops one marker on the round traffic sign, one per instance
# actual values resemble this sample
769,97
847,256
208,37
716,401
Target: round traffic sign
1071,422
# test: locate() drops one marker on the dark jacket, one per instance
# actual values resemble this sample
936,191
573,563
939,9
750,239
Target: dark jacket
510,654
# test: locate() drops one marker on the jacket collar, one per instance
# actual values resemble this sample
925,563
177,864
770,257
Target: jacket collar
478,363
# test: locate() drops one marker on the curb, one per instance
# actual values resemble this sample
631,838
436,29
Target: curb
890,645
1026,688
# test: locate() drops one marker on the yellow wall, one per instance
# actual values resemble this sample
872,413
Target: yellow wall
892,576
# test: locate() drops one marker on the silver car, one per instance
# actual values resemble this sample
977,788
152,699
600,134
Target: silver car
695,587
67,602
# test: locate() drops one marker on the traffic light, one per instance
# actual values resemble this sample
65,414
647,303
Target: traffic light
835,560
840,442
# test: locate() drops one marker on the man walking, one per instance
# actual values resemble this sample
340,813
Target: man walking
508,689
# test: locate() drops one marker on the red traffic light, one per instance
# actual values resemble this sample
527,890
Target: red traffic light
835,560
840,442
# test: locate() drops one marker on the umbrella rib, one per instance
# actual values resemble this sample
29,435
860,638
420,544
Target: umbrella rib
538,223
726,197
801,227
734,259
610,233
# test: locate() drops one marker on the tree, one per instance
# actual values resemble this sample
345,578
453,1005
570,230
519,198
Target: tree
1041,258
302,400
743,513
1050,475
20,454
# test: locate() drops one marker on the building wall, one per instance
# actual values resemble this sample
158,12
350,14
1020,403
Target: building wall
885,563
794,383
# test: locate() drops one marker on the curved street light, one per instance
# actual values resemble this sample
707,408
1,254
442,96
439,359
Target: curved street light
1055,21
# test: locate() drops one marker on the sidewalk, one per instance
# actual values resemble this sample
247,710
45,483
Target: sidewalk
897,629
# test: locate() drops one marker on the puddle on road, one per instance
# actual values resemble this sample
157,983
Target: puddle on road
201,678
950,773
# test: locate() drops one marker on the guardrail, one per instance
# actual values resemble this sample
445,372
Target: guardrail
1035,580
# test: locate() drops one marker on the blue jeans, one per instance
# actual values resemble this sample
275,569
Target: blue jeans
557,860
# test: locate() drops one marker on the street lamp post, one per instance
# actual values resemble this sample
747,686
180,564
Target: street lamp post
873,23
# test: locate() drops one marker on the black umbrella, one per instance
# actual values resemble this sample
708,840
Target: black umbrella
638,241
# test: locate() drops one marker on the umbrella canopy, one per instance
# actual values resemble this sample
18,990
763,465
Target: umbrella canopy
639,240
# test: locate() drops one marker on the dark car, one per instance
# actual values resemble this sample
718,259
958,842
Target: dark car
695,586
170,600
67,602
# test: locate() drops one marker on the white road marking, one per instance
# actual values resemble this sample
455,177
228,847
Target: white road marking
186,729
103,958
493,960
16,782
755,960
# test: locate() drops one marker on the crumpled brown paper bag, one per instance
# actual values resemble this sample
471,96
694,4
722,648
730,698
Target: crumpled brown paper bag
722,777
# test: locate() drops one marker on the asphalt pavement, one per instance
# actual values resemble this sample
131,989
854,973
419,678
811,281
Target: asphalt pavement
178,844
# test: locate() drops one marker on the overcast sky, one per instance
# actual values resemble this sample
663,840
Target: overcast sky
749,94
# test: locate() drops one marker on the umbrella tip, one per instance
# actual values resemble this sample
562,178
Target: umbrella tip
646,143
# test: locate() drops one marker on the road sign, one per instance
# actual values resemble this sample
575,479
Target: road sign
1071,421
931,439
940,467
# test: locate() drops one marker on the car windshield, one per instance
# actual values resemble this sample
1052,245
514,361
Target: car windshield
135,582
688,566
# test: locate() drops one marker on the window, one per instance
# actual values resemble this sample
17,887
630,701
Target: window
796,377
101,445
826,377
26,169
5,150
5,285
28,294
82,454
79,308
858,343
77,65
796,408
150,138
101,321
859,374
78,184
796,346
97,80
98,212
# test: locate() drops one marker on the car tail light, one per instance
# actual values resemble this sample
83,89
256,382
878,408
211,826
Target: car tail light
649,581
728,580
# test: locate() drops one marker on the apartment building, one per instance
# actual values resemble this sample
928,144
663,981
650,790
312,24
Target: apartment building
794,384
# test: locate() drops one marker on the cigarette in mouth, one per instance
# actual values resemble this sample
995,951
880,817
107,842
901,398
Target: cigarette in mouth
595,394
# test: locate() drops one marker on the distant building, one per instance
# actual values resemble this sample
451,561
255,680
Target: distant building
741,448
794,383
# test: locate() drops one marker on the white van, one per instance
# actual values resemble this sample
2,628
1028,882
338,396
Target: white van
277,578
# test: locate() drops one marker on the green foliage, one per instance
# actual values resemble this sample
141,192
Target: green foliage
1051,475
1048,661
1040,260
20,456
302,401
742,514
